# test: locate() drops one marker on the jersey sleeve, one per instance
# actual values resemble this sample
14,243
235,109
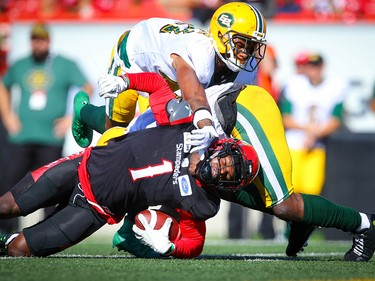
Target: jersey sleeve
160,93
193,234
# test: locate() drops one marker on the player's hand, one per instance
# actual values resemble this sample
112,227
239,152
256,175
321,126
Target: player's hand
110,86
200,139
158,240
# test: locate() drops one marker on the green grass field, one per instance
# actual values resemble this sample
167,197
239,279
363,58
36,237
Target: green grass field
94,259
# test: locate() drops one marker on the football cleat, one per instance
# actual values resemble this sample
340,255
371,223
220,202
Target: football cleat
5,239
298,236
82,133
363,244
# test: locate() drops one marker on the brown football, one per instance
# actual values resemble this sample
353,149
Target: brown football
156,219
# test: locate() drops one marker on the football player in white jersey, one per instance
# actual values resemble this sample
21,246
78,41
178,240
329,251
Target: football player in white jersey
190,59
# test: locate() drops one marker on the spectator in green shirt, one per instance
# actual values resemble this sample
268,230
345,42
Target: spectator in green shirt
37,124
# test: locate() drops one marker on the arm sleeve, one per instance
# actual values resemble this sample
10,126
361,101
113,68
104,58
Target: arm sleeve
193,234
159,91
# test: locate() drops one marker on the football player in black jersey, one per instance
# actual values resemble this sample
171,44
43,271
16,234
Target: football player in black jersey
128,174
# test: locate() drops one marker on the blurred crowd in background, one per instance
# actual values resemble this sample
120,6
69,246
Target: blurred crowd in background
348,10
197,11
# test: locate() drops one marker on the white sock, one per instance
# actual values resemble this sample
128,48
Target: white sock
365,223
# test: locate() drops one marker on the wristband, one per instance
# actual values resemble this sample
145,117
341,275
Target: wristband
200,114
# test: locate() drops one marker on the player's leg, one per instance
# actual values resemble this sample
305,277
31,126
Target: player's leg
74,221
307,211
47,186
67,227
319,211
44,187
303,163
19,245
8,206
259,122
118,111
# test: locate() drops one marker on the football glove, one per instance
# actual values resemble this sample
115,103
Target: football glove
110,86
125,240
157,239
200,139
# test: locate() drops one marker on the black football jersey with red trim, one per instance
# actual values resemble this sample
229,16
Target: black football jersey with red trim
147,168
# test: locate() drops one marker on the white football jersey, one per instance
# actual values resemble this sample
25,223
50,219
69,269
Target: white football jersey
151,42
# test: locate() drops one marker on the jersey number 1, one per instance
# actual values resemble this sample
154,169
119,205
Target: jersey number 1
152,170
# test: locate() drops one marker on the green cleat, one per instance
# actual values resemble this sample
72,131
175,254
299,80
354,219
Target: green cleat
81,132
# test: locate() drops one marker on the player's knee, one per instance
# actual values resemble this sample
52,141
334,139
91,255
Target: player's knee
280,211
291,209
8,206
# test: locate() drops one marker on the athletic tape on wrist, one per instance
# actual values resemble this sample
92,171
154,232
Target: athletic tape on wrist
200,114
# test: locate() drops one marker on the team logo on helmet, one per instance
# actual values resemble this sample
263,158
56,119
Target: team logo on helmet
225,20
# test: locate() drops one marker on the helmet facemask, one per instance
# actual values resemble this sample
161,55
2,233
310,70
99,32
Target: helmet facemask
237,21
242,168
237,45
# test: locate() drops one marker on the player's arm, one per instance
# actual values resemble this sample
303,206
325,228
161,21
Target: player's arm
160,94
192,91
188,246
152,83
193,235
194,94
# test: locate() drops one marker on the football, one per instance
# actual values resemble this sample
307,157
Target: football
156,219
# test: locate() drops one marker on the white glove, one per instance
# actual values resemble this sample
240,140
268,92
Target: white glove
110,85
201,138
158,240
